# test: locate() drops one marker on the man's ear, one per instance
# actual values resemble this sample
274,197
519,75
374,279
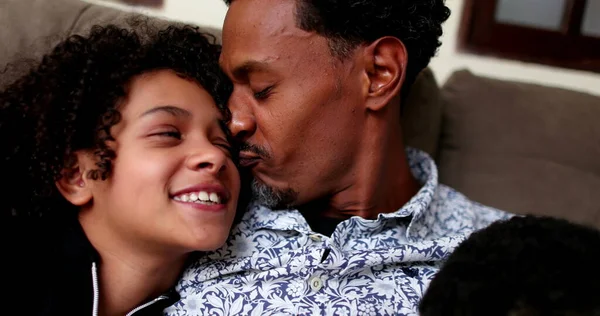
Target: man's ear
74,186
385,64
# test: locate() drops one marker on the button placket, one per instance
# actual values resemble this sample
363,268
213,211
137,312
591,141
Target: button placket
315,283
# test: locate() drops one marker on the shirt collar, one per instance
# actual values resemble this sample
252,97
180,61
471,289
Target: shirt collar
423,169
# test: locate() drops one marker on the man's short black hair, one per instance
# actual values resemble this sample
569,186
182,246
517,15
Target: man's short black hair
348,23
522,266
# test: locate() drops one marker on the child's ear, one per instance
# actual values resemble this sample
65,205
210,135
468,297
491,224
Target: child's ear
73,184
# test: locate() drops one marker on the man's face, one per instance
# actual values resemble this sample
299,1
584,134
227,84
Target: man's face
296,107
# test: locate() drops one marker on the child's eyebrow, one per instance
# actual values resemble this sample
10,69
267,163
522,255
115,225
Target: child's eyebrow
173,110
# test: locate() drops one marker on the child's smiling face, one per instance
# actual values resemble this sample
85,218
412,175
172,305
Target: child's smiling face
173,186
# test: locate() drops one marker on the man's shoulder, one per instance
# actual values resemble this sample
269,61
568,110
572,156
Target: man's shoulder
451,199
453,213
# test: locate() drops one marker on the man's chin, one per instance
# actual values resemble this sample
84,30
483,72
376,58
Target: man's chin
271,197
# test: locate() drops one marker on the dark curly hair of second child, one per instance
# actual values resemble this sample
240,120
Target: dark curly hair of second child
522,266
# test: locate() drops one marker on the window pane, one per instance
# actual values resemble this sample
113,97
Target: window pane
544,14
591,18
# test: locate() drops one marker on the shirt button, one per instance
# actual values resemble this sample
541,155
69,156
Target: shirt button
315,237
316,283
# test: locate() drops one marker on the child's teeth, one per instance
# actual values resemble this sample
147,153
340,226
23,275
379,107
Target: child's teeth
203,196
215,198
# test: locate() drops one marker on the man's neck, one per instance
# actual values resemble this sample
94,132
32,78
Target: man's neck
379,182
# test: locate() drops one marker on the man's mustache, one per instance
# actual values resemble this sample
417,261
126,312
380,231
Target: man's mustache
257,150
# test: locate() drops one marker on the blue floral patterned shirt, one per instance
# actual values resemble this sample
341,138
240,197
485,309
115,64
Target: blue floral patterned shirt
274,264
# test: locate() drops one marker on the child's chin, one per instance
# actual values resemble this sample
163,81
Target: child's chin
215,242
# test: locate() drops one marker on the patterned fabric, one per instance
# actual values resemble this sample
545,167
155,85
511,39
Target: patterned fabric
273,264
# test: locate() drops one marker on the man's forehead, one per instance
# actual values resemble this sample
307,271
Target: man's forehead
260,32
248,56
264,17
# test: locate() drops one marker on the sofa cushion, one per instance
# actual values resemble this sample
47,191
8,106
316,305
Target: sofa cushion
101,15
522,147
25,25
422,114
30,28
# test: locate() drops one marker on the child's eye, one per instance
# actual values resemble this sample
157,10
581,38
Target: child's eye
171,134
226,147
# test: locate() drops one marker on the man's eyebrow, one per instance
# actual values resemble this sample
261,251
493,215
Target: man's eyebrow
173,110
250,66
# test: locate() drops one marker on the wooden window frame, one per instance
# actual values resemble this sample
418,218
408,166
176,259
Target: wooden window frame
567,47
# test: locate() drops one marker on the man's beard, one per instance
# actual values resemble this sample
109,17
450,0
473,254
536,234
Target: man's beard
263,194
272,198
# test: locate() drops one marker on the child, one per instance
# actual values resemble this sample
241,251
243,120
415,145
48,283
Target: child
522,266
118,168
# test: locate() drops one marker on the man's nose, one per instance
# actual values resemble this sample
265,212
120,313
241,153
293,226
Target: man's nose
243,122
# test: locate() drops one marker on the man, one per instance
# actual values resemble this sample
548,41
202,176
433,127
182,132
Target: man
345,221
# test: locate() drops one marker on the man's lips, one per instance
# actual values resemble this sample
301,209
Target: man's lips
248,159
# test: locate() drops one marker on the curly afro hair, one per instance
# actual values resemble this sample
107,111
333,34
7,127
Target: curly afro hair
69,102
523,266
349,23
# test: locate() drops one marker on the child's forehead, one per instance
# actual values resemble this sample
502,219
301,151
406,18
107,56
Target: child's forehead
164,88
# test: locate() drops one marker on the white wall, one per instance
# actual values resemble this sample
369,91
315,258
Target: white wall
212,12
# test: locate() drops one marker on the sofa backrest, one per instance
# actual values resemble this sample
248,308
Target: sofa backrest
30,28
522,147
422,114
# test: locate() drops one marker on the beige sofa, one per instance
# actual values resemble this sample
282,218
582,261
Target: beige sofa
519,147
